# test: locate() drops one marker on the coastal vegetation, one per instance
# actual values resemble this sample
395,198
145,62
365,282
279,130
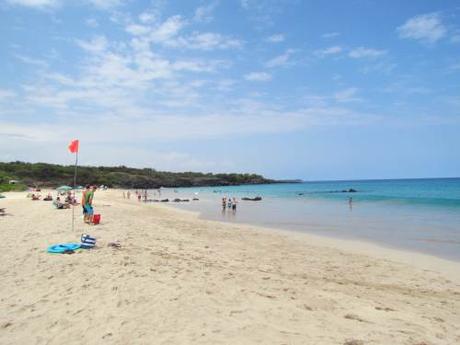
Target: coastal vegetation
17,175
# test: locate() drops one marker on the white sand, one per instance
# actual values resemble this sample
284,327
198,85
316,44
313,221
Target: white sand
181,280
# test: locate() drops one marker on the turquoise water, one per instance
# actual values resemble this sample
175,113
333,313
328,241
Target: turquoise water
420,215
433,192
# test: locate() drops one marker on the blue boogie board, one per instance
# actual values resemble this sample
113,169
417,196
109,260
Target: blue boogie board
63,247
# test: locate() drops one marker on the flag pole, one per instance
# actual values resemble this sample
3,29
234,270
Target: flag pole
74,186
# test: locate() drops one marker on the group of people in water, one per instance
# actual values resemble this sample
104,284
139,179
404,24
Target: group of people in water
229,203
139,195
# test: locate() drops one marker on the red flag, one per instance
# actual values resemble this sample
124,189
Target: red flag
73,146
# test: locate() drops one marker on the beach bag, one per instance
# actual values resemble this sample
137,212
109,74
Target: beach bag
87,242
96,219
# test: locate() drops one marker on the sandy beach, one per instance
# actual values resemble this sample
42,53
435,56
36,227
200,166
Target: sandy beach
178,279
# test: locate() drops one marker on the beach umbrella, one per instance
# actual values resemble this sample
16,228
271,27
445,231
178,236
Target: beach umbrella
64,188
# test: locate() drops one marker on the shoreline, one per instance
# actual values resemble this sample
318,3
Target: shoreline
181,279
361,247
409,228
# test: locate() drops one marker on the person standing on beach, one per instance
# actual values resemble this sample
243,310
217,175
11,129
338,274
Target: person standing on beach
145,195
83,198
224,203
234,205
87,203
128,194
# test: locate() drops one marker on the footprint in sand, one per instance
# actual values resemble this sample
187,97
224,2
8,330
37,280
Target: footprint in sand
354,317
353,342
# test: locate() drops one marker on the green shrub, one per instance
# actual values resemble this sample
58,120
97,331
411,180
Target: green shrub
6,187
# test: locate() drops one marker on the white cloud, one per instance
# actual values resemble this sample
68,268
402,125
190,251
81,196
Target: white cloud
204,41
118,77
41,4
138,30
347,95
168,29
105,4
97,45
280,60
147,17
225,84
329,35
31,61
329,51
276,38
203,14
258,76
91,22
35,3
168,33
426,27
362,52
244,117
4,94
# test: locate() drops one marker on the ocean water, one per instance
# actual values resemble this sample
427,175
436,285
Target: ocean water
420,215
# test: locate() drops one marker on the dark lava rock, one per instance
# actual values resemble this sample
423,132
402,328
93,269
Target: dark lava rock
257,198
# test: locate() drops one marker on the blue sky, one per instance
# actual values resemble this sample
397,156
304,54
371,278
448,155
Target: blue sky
290,89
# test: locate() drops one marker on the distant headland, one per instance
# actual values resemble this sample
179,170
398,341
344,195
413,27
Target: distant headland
18,175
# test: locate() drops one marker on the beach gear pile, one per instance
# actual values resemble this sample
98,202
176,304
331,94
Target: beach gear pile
87,242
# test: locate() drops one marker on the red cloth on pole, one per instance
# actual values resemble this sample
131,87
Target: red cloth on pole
73,146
